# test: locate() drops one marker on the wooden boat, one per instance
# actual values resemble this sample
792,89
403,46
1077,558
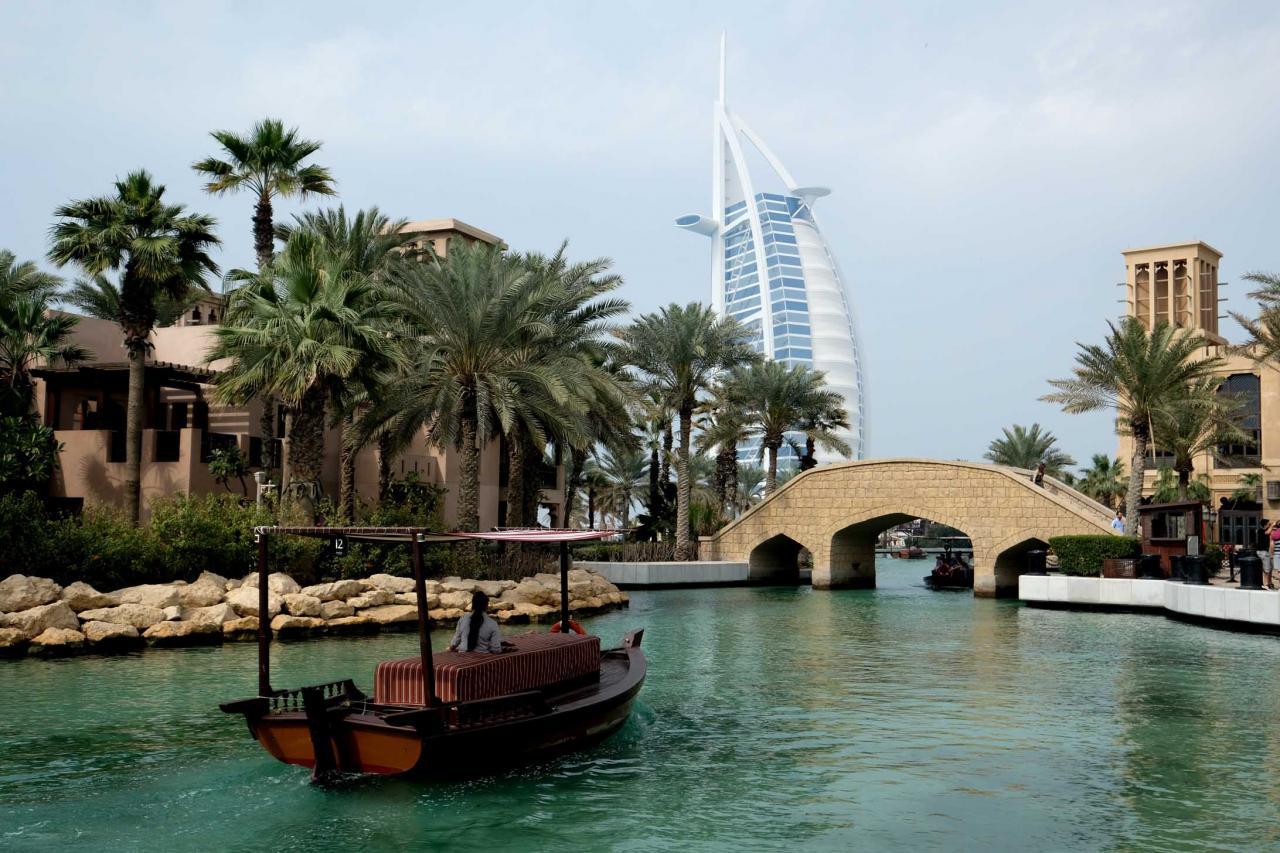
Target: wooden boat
912,552
950,571
454,714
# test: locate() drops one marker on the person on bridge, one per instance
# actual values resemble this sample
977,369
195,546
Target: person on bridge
1117,523
1038,476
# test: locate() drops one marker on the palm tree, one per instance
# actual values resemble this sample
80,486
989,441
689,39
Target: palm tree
778,394
366,244
18,279
594,483
268,162
1020,447
680,349
819,422
1139,375
159,251
1199,422
750,482
99,297
479,326
1168,488
1103,480
300,330
624,470
1249,488
30,334
726,423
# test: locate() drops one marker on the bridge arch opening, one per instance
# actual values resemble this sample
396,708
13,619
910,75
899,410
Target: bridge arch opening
852,550
776,560
1011,562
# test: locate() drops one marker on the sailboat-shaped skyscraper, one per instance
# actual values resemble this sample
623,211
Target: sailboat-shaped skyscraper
772,269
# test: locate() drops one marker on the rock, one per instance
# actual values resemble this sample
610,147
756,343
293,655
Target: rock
589,603
80,596
393,614
457,584
245,601
12,641
579,590
500,606
245,628
372,598
205,592
213,578
352,625
529,591
434,587
535,612
600,585
172,614
109,633
579,575
137,615
19,592
159,595
181,633
407,598
493,589
36,620
511,617
336,610
235,583
456,600
336,590
214,614
291,626
299,604
547,579
57,641
445,615
390,583
277,582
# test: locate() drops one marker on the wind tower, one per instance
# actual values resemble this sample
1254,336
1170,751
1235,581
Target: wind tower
773,270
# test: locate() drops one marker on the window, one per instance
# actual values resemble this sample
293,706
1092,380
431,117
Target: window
1245,390
1168,525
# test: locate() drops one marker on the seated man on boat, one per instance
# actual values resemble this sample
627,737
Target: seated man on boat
478,631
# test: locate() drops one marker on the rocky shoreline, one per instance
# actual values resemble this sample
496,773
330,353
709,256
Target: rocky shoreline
40,617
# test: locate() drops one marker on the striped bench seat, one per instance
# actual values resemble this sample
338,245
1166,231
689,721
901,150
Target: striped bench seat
540,660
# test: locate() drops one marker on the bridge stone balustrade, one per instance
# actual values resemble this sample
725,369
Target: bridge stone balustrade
837,512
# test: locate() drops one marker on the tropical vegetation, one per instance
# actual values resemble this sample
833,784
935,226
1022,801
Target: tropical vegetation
1022,447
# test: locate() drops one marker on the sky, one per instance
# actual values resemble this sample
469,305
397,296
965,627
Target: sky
988,161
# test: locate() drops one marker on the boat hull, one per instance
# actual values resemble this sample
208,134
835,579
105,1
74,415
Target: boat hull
369,738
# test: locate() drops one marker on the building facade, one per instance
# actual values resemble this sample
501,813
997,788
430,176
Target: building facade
1179,284
183,423
773,270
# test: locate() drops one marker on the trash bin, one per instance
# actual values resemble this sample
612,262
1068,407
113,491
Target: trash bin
1195,569
1176,572
1036,562
1250,566
1149,567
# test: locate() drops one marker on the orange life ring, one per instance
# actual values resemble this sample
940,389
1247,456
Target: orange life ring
573,626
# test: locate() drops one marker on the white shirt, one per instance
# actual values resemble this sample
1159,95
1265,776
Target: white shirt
1117,524
487,641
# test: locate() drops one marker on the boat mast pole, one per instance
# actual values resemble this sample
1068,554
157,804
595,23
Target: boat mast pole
564,587
424,638
264,623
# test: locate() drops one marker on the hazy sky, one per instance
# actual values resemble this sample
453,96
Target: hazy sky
989,161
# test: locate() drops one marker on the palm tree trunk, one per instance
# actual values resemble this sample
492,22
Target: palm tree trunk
263,238
726,467
469,488
655,495
664,465
267,426
133,427
306,451
625,515
347,473
771,472
532,491
1137,468
515,478
286,457
810,452
684,490
577,458
591,507
733,484
385,453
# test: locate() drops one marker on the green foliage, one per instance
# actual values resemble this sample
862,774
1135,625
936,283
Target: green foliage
409,503
226,463
1166,487
28,453
1022,447
1083,555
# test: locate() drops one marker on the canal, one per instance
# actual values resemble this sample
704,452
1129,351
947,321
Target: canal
784,719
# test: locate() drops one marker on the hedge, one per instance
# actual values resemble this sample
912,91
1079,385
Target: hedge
1083,555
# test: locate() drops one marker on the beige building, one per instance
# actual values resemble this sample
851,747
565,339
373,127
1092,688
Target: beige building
183,424
1179,283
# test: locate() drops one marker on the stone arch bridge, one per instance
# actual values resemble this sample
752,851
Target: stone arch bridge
838,511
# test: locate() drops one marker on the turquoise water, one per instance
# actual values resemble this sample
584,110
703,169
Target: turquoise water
773,719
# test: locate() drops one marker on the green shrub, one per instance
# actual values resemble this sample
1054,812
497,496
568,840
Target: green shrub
28,453
1083,555
104,550
23,535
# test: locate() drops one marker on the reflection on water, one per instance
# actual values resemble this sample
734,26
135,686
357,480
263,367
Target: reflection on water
892,718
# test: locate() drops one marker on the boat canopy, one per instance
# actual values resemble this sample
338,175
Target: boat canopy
549,536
